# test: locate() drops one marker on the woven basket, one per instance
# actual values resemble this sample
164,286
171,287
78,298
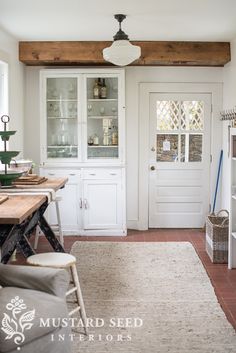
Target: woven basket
217,227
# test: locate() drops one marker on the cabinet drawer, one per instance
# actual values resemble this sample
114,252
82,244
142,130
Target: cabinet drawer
101,173
72,175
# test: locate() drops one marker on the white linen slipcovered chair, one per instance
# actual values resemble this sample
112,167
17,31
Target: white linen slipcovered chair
41,289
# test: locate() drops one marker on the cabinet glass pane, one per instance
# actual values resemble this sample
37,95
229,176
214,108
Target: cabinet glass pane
62,117
102,117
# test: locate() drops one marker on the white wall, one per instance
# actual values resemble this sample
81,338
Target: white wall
9,54
32,115
134,77
229,101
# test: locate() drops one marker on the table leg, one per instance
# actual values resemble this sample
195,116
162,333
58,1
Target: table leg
14,237
50,235
39,219
4,231
32,224
25,247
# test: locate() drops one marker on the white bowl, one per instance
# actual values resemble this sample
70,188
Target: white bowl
21,165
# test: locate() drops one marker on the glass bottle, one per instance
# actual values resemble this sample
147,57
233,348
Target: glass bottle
105,137
96,90
103,91
114,137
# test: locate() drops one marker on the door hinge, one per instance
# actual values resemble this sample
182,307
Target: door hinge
211,158
211,108
209,207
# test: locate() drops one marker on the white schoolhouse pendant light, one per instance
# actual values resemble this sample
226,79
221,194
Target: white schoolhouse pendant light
121,52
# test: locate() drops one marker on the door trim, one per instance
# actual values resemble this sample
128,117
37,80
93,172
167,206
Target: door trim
215,89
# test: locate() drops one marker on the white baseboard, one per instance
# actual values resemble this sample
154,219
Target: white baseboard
97,232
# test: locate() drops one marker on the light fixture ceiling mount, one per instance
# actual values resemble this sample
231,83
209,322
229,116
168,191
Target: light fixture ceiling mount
120,35
121,52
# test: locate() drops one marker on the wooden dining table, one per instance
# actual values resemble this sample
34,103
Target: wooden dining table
21,213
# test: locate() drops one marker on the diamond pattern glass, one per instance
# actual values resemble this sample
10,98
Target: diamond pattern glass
180,126
180,115
192,113
167,115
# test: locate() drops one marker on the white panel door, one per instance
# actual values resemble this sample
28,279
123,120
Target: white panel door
179,174
102,204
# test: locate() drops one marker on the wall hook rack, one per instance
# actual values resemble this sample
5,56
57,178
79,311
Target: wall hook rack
229,114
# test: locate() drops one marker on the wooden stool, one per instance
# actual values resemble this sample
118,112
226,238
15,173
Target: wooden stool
62,260
55,227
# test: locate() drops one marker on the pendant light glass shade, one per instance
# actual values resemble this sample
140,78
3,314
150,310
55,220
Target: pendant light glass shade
121,52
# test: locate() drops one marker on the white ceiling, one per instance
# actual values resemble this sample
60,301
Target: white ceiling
203,20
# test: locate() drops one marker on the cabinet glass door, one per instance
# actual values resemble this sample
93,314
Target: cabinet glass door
62,117
102,118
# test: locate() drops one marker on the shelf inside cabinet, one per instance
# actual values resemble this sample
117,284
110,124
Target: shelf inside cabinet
102,99
102,116
102,146
234,197
234,158
62,146
57,117
61,100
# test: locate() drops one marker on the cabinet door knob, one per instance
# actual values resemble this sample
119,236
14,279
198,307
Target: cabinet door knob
51,173
152,167
72,174
80,203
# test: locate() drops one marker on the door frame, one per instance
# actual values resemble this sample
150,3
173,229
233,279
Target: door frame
215,90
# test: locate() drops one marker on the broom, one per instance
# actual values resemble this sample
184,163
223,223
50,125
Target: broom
217,186
217,181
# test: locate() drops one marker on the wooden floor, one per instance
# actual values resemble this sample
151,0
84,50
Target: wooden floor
223,280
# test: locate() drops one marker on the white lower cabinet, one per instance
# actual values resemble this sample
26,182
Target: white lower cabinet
70,203
102,204
93,201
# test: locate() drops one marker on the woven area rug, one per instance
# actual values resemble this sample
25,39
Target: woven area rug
157,296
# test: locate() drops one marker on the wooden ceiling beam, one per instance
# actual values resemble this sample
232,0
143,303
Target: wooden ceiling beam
153,53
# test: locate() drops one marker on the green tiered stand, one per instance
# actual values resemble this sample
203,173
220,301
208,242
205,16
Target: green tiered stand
7,176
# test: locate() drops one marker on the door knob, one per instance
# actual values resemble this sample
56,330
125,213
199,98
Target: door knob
153,149
152,167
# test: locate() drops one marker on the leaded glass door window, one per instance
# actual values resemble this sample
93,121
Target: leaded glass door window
179,130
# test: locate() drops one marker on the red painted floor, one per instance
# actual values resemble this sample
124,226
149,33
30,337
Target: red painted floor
223,280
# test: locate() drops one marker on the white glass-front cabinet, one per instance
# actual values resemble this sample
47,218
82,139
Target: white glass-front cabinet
78,125
61,117
82,138
103,130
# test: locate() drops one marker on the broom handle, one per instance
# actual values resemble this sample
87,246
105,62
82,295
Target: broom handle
217,181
